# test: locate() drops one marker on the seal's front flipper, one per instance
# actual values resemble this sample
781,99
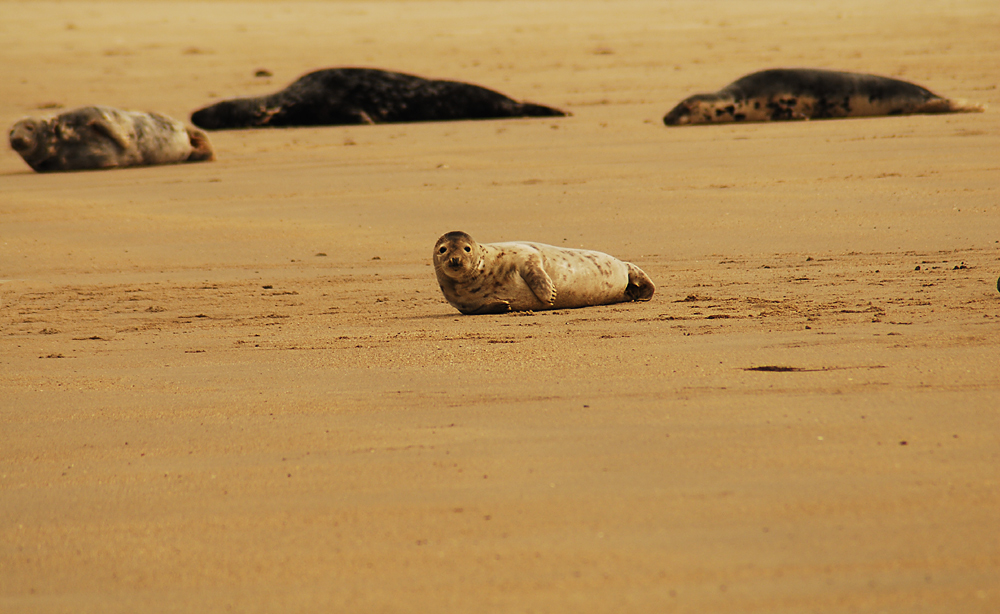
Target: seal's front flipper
111,130
266,113
538,280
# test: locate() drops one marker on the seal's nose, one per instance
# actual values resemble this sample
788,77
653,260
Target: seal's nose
454,262
19,143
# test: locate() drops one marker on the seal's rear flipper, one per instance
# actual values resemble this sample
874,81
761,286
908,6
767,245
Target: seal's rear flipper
640,287
530,109
943,105
201,147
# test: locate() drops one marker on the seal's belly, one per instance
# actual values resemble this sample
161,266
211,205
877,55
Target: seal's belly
584,277
807,106
501,284
515,292
581,278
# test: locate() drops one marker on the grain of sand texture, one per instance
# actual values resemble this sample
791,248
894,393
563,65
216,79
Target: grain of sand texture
235,386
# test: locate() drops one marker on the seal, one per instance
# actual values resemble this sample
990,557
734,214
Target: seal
478,278
806,93
345,96
101,137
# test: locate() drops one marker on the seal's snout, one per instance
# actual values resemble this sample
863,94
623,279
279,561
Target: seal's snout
223,115
19,142
680,115
454,262
22,136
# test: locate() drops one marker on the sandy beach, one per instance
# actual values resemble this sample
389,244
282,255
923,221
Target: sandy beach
236,386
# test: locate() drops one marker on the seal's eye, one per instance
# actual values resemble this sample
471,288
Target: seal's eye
442,250
468,249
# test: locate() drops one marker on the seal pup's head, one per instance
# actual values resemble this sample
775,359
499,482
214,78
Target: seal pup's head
457,256
702,109
32,139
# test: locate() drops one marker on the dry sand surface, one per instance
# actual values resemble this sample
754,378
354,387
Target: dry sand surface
235,386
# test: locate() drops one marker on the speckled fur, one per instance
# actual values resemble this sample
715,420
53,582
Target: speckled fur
101,137
804,93
479,278
345,96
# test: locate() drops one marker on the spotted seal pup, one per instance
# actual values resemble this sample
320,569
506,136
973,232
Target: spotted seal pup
806,93
101,137
344,96
479,278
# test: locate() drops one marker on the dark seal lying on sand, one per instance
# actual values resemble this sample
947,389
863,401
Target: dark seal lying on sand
101,137
806,93
344,96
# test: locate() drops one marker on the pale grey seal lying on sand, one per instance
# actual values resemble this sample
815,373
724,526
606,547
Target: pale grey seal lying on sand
806,93
344,96
478,278
101,137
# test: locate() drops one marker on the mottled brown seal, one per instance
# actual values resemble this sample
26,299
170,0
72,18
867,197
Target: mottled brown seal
345,96
806,93
479,278
101,137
